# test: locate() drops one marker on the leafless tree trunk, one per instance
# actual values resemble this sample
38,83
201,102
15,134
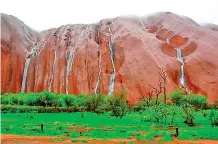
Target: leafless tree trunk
157,90
163,75
148,100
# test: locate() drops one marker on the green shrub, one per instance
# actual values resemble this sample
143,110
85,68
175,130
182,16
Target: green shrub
166,137
74,140
84,141
177,96
213,117
93,103
66,100
196,100
74,134
117,105
189,115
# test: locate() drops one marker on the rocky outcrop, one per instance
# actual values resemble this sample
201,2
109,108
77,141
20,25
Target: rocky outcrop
117,55
211,26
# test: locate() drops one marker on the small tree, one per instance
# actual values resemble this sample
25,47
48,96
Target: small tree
213,117
46,98
157,90
163,75
199,101
148,99
177,96
189,115
159,113
117,105
93,102
173,112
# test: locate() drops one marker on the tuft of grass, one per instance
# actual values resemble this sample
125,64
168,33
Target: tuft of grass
84,141
166,138
74,140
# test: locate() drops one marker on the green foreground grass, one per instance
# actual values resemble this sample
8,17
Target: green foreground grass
105,126
109,117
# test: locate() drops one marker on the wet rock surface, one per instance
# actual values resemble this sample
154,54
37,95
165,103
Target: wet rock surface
117,55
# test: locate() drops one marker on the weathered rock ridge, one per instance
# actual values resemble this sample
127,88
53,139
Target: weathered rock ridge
112,56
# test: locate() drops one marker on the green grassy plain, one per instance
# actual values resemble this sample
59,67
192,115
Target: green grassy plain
133,124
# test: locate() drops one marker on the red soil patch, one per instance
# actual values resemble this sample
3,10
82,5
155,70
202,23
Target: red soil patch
18,139
80,130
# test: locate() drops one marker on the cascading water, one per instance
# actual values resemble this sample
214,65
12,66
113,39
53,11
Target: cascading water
25,74
167,41
112,76
179,55
99,66
53,70
70,59
35,51
111,85
182,75
32,53
56,38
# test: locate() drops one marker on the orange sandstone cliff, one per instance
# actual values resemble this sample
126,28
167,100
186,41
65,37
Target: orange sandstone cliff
114,55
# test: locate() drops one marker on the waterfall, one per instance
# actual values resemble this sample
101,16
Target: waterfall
179,55
37,44
167,41
70,59
53,70
25,70
99,66
112,76
99,73
111,85
182,75
23,87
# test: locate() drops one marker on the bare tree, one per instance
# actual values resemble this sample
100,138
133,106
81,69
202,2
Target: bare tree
161,86
148,99
163,75
157,90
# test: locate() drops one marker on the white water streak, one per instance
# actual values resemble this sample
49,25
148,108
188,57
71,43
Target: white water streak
26,67
53,70
25,74
99,67
70,60
112,77
182,75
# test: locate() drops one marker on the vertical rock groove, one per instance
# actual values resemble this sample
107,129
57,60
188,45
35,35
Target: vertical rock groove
51,77
97,88
111,46
70,58
26,66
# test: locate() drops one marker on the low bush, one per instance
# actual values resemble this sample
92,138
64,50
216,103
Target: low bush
213,117
177,96
199,101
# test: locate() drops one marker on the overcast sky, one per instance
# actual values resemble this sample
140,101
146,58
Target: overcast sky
45,14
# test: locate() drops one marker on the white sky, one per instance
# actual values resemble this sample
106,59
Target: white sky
45,14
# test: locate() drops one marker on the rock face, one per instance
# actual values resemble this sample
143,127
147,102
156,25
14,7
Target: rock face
117,55
211,26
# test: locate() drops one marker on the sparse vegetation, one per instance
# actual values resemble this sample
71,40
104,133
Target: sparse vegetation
108,117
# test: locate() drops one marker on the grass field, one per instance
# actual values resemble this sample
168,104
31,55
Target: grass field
87,125
88,118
